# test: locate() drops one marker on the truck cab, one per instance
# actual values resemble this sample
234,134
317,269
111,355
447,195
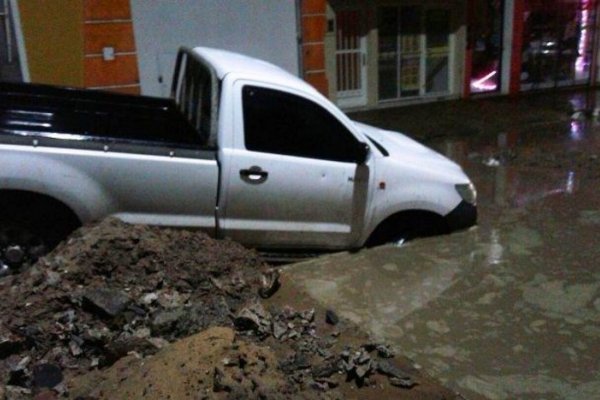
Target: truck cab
296,172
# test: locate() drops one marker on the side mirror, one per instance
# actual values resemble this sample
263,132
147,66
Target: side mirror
362,153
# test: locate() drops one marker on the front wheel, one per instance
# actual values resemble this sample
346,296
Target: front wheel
407,226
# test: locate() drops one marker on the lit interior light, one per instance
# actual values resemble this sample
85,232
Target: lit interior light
583,37
576,130
485,83
570,186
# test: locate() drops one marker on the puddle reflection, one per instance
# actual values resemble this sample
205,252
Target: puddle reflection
511,308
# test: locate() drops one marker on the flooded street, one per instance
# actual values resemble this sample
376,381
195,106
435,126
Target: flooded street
511,308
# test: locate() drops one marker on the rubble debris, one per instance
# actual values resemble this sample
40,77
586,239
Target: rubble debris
405,383
9,342
116,294
397,377
46,375
331,317
384,351
253,317
11,392
269,284
113,289
107,302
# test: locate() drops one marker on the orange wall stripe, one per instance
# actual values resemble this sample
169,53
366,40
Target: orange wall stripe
117,35
102,10
122,71
314,25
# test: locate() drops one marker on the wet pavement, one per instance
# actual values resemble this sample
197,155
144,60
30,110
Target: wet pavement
511,308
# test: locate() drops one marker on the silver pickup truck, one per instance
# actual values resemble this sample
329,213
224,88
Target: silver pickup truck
242,149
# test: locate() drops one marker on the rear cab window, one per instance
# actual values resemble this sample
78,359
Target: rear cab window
195,91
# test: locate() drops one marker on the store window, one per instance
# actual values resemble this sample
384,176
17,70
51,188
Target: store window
557,43
413,51
485,38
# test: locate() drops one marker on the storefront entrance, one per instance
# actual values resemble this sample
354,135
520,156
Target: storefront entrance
414,57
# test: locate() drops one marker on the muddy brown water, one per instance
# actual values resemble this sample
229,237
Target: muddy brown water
511,308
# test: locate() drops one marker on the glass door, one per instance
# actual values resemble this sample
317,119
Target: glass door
387,53
411,51
414,52
437,39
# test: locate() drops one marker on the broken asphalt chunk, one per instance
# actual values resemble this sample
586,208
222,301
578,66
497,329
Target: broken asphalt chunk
387,368
331,317
279,330
324,370
107,302
384,351
165,321
46,375
405,383
269,284
9,342
253,317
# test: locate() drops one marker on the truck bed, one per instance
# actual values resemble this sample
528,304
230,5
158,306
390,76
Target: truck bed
77,117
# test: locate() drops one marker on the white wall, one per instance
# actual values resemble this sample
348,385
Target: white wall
261,28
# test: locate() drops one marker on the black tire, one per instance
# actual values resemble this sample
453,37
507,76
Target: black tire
30,226
407,226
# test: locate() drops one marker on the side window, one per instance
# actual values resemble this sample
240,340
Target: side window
281,123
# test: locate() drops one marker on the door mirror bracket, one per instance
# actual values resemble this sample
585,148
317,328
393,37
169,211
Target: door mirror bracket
362,153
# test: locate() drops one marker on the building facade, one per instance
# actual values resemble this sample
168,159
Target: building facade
129,46
375,53
359,53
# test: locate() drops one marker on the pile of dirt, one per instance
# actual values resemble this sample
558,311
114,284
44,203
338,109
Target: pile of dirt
114,288
104,314
211,364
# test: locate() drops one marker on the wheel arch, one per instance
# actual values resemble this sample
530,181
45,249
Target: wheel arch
33,207
422,223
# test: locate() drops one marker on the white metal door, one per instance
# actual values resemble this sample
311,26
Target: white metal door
350,57
296,203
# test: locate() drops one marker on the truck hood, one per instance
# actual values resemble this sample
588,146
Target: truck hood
407,150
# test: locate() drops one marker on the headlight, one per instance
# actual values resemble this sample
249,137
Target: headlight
467,192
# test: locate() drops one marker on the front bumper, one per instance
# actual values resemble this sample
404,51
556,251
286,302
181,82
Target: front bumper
462,217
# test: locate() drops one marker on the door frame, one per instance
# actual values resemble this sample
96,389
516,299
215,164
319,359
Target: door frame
18,31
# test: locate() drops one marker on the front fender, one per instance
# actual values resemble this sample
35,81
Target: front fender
436,198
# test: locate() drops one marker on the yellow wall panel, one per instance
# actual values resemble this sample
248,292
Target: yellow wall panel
53,33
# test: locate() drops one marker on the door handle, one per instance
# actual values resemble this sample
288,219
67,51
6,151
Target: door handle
254,175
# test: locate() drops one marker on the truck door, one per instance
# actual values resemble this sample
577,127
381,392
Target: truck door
294,177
